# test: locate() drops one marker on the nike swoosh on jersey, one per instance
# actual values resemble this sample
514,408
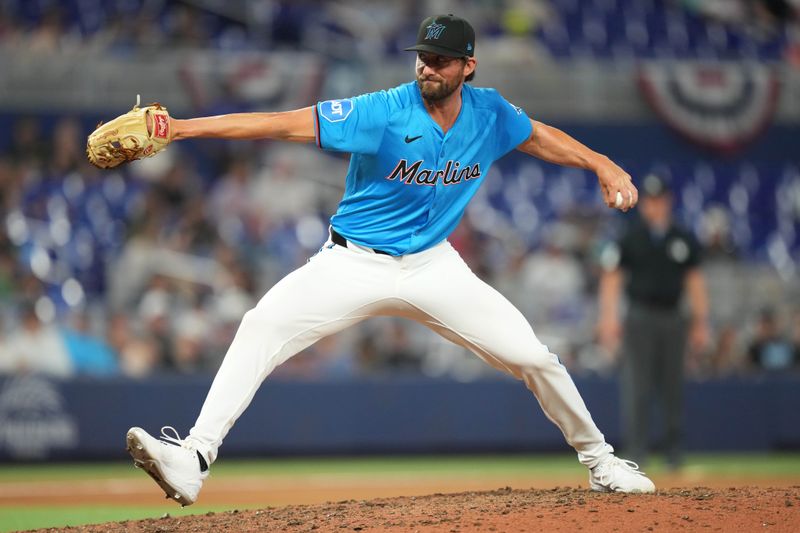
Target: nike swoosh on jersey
412,139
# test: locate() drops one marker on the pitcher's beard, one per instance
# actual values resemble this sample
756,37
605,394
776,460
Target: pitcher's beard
435,90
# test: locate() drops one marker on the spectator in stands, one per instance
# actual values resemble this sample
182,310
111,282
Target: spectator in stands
35,348
68,152
48,36
335,358
399,351
133,267
137,353
119,333
233,296
724,273
185,28
192,326
10,28
128,32
229,203
155,312
771,350
298,196
763,17
657,261
177,186
718,245
90,355
8,268
27,149
775,12
8,185
194,232
727,11
141,358
553,280
726,356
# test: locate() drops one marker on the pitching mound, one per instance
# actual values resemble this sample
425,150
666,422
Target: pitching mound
739,509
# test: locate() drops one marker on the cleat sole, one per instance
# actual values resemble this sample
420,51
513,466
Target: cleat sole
142,460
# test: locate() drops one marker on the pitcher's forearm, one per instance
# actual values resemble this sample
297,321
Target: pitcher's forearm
553,145
296,126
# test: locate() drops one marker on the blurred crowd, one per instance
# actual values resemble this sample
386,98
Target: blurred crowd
370,30
148,270
336,28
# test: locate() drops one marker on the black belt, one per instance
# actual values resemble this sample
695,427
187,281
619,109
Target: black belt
341,241
655,305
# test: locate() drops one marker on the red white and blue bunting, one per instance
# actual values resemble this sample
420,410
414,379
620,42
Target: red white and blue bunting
722,106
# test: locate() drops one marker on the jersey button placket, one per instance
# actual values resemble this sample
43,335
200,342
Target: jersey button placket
432,201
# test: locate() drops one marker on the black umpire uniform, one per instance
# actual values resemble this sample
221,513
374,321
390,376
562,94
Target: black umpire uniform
655,256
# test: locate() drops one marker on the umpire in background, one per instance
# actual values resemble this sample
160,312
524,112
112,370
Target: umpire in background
656,261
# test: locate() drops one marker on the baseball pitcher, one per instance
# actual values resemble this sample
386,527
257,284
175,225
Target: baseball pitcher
419,152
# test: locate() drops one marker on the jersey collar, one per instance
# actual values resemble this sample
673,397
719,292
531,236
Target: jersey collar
464,96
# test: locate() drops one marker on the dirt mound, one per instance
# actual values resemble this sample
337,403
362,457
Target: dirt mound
737,509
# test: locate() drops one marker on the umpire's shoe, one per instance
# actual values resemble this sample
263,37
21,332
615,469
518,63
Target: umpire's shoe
170,461
613,474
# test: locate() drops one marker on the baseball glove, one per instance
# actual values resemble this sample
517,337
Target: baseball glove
126,138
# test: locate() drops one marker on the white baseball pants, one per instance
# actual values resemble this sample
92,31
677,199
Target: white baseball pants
339,287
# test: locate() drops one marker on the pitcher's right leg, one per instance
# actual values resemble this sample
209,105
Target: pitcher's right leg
337,288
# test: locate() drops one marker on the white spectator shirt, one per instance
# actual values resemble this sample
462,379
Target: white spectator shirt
40,351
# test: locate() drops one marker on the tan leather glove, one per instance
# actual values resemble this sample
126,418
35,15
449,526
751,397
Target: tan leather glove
127,138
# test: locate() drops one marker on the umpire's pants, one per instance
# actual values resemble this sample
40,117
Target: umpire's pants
652,372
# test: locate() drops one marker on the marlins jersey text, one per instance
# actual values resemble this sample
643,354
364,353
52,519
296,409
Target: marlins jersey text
409,182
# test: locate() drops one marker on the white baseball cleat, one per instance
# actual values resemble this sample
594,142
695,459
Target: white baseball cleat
170,461
613,474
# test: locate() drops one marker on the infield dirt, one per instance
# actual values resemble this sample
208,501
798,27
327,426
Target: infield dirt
735,509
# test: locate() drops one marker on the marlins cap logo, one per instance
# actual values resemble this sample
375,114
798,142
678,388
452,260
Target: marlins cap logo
435,30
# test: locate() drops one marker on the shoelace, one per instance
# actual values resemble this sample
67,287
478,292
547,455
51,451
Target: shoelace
630,465
616,461
177,440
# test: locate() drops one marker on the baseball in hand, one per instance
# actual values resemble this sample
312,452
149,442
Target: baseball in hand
618,201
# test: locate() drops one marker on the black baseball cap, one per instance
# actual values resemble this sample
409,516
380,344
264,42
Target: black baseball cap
446,35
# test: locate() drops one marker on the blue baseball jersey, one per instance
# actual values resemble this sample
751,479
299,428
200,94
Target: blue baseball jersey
408,182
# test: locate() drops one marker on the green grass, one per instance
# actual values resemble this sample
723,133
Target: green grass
265,467
784,464
778,465
31,517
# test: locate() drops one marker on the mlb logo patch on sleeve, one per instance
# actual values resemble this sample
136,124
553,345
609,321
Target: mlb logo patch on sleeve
336,110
